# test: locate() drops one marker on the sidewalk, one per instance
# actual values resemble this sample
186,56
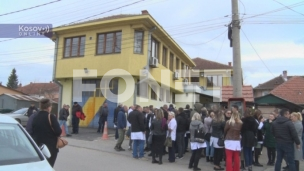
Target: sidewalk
89,138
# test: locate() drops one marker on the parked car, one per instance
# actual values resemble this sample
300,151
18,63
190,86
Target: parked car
20,116
2,111
18,149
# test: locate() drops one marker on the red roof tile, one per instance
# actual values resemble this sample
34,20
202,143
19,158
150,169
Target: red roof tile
38,88
206,64
227,92
291,90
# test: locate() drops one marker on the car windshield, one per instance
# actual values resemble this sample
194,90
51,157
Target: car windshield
15,146
20,111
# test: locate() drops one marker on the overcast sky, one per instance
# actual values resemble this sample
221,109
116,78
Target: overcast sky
198,26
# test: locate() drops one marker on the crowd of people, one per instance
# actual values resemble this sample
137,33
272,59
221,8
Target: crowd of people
232,141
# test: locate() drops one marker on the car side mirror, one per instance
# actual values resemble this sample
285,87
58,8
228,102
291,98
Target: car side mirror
45,151
25,114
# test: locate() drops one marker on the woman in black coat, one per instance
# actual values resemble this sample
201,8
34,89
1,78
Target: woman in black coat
46,129
248,132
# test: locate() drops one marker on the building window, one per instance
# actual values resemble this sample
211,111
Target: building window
183,68
153,93
173,98
214,81
109,43
177,64
164,62
74,46
168,96
171,62
138,41
142,90
265,93
154,48
161,94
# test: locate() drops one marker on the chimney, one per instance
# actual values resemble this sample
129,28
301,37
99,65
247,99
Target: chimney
284,75
229,63
144,12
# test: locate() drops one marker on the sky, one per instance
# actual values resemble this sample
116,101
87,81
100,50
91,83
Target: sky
272,38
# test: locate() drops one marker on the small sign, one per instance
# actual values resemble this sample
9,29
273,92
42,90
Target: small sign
26,31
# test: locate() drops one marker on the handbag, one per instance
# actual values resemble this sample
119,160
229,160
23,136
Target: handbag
168,142
60,141
150,137
208,135
221,142
199,135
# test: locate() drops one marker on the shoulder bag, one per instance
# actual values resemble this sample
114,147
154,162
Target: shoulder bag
221,141
60,141
199,135
208,135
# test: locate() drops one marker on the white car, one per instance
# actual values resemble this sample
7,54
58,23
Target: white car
18,151
20,115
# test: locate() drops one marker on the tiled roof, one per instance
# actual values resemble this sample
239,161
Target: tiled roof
25,97
291,90
202,64
13,90
271,84
39,88
227,92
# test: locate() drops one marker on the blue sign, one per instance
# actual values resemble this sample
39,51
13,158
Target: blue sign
26,31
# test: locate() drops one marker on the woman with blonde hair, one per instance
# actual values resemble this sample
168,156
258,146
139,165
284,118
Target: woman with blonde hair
297,121
196,146
233,142
172,125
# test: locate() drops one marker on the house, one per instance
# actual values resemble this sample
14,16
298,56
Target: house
4,89
289,94
127,59
247,94
41,90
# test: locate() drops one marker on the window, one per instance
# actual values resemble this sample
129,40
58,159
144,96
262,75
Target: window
265,93
138,41
153,93
74,46
173,98
177,64
161,94
164,62
154,48
171,62
214,81
142,90
109,43
168,96
183,67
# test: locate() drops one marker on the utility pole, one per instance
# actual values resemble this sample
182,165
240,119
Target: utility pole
237,68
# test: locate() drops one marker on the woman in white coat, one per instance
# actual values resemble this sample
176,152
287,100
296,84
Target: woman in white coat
172,125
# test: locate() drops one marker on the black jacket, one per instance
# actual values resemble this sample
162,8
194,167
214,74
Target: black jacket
182,122
63,114
116,110
30,110
149,120
217,129
136,120
284,131
75,109
249,131
156,127
103,112
43,132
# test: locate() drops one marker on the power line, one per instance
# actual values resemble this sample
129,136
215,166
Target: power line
25,9
288,7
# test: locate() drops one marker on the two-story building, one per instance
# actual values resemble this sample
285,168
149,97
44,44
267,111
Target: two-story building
127,59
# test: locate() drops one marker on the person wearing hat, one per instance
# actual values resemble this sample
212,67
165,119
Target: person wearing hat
75,120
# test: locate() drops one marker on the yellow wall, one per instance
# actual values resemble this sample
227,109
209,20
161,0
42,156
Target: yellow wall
8,91
226,75
67,96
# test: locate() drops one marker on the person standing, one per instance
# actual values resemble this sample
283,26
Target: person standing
286,135
75,120
121,126
187,134
258,148
269,141
303,134
232,142
136,119
46,129
103,116
297,121
63,117
158,127
172,125
31,110
131,108
208,128
182,125
116,110
196,147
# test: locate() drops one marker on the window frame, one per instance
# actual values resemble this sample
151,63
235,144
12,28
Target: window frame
171,62
70,48
217,80
177,61
168,96
161,95
164,57
105,44
153,95
156,52
146,95
142,43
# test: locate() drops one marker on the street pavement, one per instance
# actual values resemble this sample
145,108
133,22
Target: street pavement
87,151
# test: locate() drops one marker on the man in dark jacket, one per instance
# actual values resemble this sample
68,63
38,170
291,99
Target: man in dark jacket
136,119
150,117
116,110
187,114
182,125
285,134
103,116
121,126
75,120
31,110
63,117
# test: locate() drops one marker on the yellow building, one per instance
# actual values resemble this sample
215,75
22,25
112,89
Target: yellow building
119,50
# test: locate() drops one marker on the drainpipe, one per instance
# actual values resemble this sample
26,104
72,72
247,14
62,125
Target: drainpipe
54,72
147,67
